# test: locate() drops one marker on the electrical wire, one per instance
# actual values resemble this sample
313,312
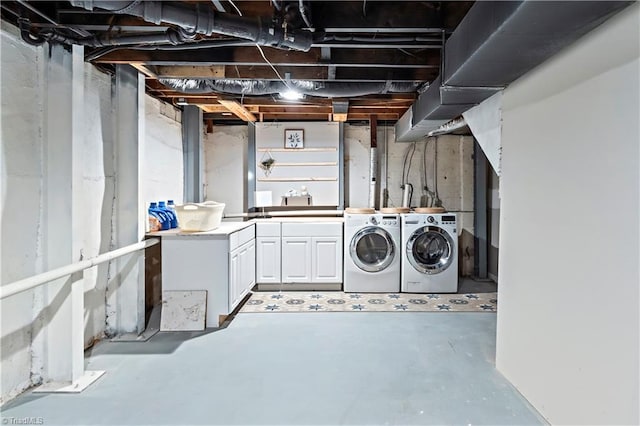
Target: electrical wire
425,188
405,174
235,7
274,68
262,52
413,151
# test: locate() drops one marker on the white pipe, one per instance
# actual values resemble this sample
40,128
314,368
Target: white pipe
448,127
37,280
405,195
373,165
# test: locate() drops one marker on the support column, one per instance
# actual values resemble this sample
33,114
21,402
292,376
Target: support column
125,291
341,200
480,183
193,154
250,172
62,316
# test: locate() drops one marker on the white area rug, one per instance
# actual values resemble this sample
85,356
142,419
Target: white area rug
337,301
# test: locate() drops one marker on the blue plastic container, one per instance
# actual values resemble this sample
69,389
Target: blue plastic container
161,214
172,207
173,218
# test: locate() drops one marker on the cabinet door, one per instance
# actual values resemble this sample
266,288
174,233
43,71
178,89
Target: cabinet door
326,259
244,269
268,260
248,268
234,278
296,259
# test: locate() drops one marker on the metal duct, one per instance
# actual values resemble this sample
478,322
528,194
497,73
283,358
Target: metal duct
495,44
261,31
253,87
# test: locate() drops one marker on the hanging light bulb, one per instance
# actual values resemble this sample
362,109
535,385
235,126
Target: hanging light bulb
291,95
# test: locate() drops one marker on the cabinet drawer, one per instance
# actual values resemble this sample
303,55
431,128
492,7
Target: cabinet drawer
268,229
246,235
241,237
312,229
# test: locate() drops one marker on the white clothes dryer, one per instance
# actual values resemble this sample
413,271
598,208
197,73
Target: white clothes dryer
371,253
430,253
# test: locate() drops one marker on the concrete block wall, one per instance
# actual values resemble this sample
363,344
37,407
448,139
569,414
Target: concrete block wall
22,102
35,118
225,152
162,158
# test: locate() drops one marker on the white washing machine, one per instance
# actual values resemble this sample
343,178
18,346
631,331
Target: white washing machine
430,253
371,253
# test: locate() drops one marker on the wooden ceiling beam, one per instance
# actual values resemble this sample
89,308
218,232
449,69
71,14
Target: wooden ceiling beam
188,71
237,109
218,109
250,56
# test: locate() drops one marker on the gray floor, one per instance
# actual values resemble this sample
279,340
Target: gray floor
324,369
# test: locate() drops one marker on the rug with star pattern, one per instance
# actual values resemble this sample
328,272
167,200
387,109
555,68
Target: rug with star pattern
337,301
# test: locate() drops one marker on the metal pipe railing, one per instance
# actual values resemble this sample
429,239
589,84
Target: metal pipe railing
37,280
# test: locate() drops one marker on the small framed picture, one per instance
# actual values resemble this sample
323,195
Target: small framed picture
294,138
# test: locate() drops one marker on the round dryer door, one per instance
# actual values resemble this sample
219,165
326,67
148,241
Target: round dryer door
430,249
372,249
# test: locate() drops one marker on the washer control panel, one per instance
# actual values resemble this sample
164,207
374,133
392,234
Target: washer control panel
390,220
374,220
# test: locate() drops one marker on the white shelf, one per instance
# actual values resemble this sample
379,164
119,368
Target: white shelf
324,149
299,179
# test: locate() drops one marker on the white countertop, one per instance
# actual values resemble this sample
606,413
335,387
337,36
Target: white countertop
223,230
227,228
306,219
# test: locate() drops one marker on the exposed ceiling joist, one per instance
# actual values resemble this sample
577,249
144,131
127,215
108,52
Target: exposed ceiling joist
237,109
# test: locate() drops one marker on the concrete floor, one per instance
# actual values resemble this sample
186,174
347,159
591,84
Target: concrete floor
298,369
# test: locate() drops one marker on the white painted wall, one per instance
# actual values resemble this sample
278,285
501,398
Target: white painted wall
357,141
162,164
317,135
225,152
98,182
22,74
30,109
568,324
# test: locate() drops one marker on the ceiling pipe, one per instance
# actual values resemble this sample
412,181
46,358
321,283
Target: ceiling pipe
261,31
172,36
311,88
305,13
448,127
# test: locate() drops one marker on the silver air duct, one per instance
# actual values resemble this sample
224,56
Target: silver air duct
312,88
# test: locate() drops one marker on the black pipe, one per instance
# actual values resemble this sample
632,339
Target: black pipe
35,40
262,31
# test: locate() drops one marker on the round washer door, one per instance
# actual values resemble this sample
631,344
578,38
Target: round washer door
430,249
372,249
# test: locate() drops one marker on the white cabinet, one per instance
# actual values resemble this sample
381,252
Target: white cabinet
296,259
268,253
304,253
326,257
242,261
223,264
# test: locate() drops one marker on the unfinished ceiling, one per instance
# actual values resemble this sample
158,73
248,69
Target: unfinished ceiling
417,63
349,59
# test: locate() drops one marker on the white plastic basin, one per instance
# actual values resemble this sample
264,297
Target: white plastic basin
195,217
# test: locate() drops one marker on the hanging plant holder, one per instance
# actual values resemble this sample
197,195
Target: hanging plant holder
266,163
